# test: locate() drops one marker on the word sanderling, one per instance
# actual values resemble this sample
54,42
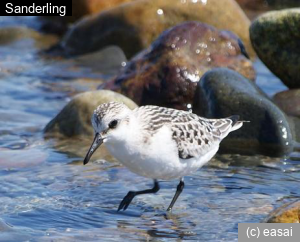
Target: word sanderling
157,142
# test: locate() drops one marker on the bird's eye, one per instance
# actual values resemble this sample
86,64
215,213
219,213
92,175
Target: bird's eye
113,124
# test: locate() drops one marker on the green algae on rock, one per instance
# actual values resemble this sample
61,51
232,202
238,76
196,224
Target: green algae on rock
275,37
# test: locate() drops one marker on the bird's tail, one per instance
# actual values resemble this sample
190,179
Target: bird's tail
227,125
236,123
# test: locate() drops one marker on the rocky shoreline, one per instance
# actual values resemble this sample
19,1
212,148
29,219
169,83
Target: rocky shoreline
192,55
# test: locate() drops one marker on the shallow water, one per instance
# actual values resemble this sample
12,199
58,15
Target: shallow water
46,194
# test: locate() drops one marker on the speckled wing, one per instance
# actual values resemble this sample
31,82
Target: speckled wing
194,135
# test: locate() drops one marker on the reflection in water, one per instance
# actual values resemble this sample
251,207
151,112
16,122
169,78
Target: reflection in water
48,195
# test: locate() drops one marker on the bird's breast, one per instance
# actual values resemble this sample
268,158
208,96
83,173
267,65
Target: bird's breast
154,156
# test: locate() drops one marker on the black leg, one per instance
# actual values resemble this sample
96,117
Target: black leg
178,191
131,194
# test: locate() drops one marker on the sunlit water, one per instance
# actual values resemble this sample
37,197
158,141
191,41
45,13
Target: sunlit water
48,195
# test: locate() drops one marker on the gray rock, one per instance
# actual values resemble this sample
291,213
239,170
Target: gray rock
75,118
275,37
222,92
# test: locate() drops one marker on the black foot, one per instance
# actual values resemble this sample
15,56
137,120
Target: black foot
126,201
169,209
130,195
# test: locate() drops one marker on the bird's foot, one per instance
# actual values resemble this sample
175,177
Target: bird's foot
126,201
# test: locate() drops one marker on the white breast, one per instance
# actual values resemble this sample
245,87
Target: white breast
154,156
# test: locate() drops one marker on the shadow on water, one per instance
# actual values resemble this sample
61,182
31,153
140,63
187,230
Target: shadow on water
47,195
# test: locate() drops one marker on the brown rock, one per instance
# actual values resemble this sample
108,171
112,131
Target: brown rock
168,72
288,213
82,8
289,102
134,26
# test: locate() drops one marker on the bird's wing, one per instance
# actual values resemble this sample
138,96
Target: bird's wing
194,135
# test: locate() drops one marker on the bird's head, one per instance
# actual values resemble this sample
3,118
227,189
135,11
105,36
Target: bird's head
109,121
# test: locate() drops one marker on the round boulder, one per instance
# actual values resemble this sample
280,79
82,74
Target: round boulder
168,72
276,36
222,92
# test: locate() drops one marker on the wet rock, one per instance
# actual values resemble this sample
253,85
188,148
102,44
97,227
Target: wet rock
168,72
134,26
275,37
75,118
222,92
289,102
287,213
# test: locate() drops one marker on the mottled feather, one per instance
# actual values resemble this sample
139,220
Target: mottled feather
193,135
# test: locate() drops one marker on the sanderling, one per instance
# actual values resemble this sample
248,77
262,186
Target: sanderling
157,142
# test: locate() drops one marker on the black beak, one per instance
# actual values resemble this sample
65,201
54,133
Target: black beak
96,143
